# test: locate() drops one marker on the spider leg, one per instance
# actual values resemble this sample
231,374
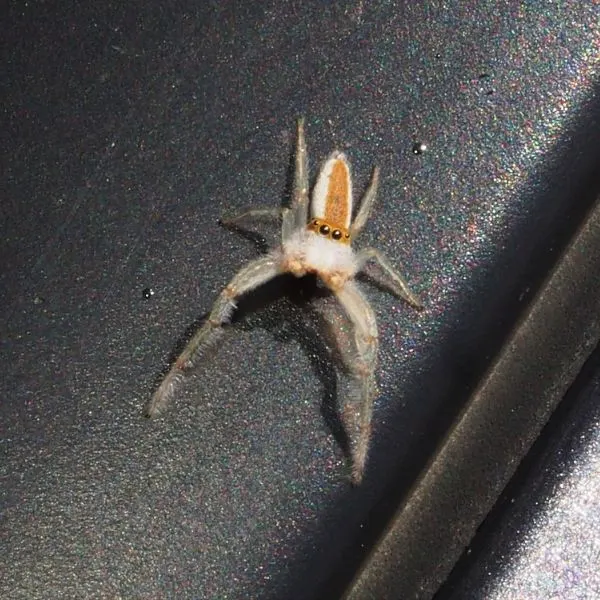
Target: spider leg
362,374
288,225
253,275
295,217
285,214
366,204
266,213
300,190
253,213
399,285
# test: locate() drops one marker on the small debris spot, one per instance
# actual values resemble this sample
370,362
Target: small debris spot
419,148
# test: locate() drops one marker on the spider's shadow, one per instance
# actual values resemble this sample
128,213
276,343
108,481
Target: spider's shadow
299,319
259,240
285,306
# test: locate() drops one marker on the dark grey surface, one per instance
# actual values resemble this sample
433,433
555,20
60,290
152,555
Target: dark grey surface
127,132
499,424
542,538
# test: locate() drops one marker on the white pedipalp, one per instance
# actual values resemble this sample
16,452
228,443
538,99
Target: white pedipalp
332,194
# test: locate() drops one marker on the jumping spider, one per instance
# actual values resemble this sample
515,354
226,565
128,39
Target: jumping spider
321,245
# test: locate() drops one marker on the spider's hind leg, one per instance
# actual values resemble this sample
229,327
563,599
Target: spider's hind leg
359,407
256,273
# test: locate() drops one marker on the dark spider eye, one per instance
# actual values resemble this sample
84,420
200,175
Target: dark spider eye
336,234
324,229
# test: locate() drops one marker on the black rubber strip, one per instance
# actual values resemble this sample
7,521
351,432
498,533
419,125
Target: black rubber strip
500,422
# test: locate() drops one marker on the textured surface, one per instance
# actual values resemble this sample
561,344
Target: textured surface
127,132
529,377
547,544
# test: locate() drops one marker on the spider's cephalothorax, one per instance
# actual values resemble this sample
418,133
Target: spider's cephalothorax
319,243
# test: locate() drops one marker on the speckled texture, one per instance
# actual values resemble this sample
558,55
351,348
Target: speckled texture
127,132
558,557
543,540
498,425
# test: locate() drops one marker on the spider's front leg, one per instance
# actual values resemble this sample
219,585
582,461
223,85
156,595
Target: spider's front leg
362,372
292,218
300,200
253,275
399,285
283,214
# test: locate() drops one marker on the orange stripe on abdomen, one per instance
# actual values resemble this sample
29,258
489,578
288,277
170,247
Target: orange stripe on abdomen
337,201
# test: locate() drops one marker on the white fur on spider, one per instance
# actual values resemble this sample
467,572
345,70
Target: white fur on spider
315,253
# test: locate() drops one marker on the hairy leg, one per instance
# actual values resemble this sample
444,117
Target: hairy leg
366,204
285,214
359,409
253,213
255,274
399,285
300,191
295,217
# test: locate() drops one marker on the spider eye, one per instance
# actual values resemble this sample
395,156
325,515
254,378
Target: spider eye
324,230
336,234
